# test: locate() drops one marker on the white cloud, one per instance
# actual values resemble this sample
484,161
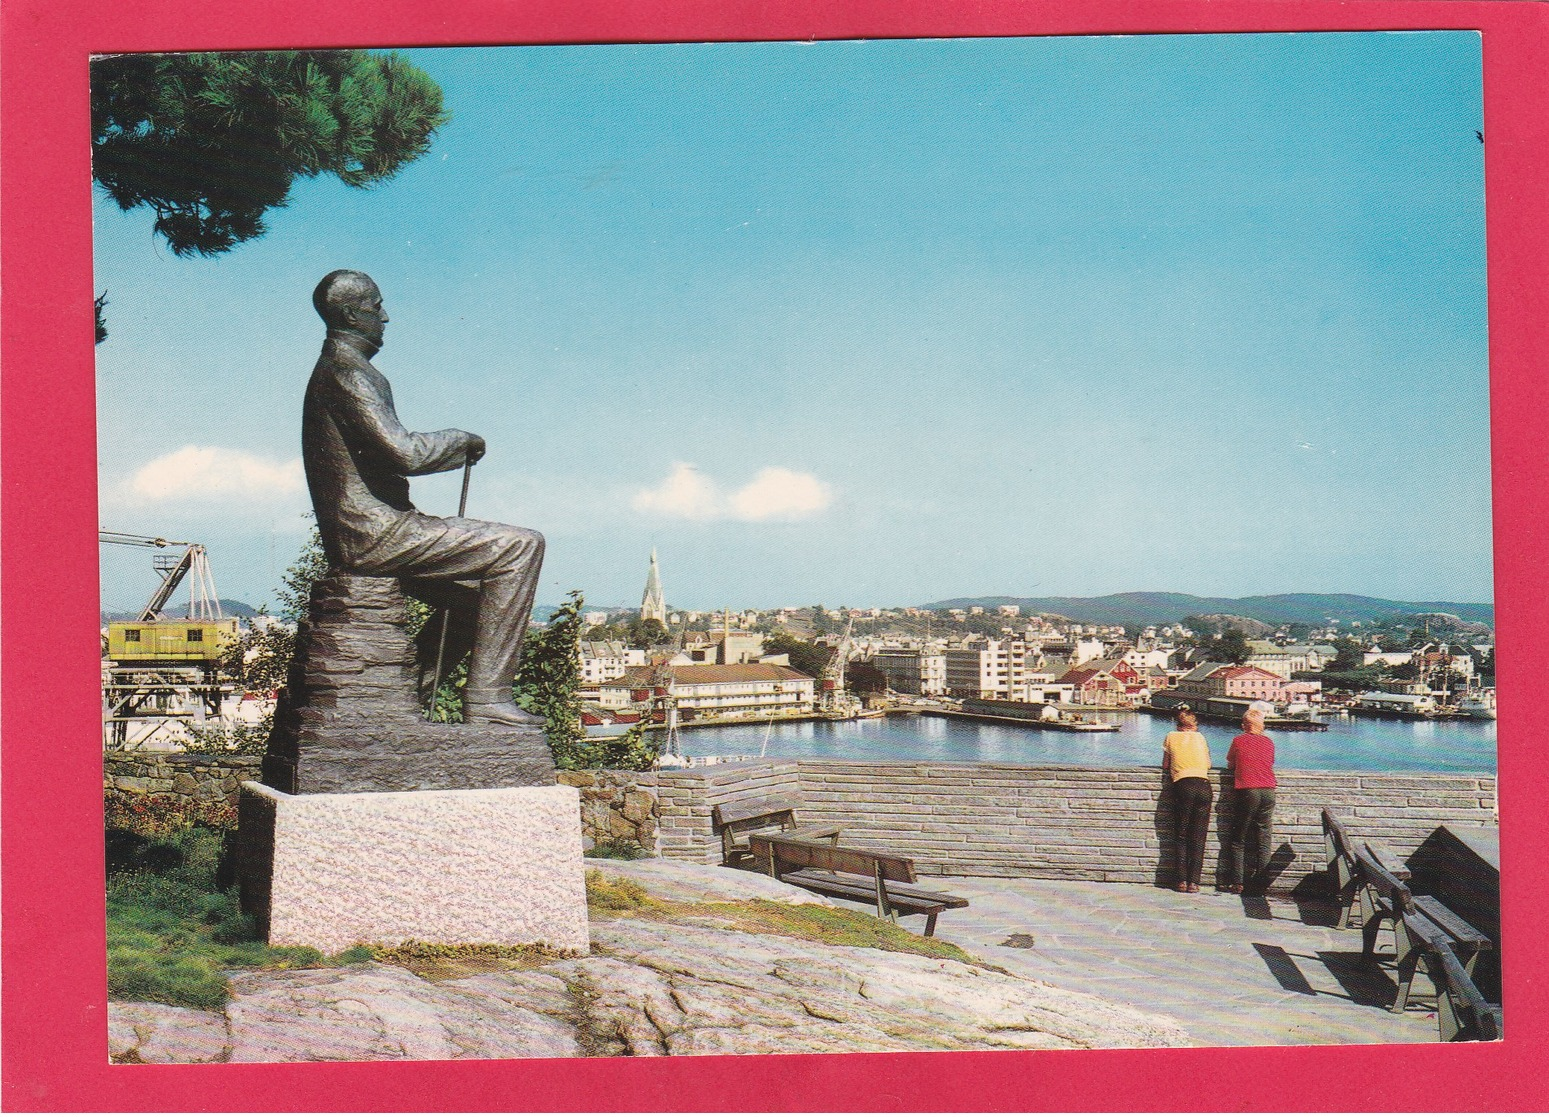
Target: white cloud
211,473
773,494
685,493
780,494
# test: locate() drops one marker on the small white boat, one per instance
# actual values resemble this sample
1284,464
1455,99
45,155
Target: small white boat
1479,706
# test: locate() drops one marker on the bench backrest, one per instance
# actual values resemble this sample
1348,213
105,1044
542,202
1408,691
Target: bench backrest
746,810
1375,876
1462,1011
1341,854
838,859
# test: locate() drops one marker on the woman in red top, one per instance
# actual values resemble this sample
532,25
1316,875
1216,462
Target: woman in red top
1251,760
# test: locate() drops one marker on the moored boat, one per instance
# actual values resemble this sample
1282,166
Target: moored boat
1227,711
1404,707
1480,707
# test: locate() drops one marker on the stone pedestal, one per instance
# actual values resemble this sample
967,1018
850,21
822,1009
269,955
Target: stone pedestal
350,717
498,866
372,825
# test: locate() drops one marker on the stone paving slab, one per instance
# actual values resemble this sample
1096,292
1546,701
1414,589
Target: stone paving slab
1232,970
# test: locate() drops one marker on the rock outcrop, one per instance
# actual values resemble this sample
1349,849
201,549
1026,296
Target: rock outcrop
650,987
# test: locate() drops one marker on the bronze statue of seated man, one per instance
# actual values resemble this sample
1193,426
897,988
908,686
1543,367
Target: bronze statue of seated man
358,459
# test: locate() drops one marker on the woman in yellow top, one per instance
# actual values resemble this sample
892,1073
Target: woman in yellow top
1186,766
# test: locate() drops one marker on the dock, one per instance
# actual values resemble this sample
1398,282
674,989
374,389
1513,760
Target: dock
1027,723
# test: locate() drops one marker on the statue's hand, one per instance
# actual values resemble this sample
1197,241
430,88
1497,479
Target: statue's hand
475,449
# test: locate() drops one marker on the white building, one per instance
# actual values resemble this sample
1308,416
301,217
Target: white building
748,690
603,660
988,669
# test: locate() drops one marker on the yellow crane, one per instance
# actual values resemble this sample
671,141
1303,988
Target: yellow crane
164,669
200,637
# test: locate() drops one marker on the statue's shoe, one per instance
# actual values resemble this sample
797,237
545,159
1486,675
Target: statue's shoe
500,713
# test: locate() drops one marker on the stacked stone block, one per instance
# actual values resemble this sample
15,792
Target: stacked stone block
350,717
688,795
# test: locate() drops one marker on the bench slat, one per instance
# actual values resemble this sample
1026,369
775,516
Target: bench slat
851,886
743,810
839,859
1451,923
1462,1011
895,892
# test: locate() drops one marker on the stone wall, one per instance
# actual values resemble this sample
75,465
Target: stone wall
1049,822
1111,824
1102,824
687,796
616,807
197,777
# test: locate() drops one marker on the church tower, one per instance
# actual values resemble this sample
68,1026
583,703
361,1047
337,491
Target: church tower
653,606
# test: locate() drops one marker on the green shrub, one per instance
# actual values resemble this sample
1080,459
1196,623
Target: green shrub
160,815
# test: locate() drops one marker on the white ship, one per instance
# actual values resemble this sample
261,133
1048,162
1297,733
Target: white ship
1480,706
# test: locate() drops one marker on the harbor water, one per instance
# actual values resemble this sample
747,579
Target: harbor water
1351,744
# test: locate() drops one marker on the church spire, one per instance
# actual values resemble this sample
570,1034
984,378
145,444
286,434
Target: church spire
653,606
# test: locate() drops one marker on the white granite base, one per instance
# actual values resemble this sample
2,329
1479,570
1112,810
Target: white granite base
498,866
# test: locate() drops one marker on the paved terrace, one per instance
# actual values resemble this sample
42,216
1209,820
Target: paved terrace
1232,970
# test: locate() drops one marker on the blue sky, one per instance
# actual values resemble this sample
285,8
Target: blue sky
873,323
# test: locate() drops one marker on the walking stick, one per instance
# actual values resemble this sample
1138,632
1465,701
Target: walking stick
446,614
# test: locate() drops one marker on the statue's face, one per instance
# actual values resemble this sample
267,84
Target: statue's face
368,318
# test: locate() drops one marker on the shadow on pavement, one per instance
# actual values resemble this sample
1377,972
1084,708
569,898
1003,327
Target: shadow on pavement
1274,869
1284,969
1256,907
1316,911
1361,976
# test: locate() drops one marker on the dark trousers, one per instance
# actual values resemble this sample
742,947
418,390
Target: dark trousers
1191,825
484,574
1253,819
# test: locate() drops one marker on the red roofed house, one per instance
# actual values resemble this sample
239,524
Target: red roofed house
1107,682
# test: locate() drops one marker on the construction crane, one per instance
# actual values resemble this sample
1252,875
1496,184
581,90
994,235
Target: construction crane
152,638
832,698
160,669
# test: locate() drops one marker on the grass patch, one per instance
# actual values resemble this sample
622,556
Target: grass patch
618,850
171,930
616,897
835,926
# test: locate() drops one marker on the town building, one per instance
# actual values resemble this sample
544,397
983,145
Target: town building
726,648
912,670
1107,682
603,660
988,669
745,690
1284,660
1228,680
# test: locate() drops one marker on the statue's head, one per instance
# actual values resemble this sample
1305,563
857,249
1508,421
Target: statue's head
350,300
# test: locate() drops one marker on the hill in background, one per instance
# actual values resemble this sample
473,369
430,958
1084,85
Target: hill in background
1140,609
177,612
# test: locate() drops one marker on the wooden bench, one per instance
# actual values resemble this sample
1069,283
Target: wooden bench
1344,871
1420,924
883,879
738,820
1343,876
1462,1013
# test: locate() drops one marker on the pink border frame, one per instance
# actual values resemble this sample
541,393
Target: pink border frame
54,1023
